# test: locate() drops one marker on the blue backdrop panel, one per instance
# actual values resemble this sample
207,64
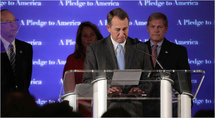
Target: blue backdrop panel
50,26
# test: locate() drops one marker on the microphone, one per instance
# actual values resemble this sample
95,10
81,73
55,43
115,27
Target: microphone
18,28
156,60
143,48
141,44
181,83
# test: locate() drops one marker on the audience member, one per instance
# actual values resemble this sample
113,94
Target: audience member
116,113
204,113
19,104
61,109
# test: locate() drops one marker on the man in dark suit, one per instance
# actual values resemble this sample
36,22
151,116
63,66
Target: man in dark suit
16,57
103,54
169,55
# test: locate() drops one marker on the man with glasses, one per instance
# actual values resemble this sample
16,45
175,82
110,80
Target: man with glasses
16,57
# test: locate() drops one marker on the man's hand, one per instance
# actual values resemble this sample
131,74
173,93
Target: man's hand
115,91
136,91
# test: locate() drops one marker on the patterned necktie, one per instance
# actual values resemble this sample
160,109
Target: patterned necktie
12,57
120,57
154,54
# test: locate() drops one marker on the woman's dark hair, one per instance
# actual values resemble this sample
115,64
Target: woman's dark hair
79,48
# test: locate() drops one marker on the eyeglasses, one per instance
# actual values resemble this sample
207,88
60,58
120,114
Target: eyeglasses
9,22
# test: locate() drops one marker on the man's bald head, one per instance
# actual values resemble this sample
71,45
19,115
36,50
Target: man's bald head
9,25
7,16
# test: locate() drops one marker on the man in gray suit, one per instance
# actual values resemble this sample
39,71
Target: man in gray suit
103,53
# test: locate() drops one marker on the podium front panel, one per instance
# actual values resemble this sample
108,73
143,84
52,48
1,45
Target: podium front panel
145,101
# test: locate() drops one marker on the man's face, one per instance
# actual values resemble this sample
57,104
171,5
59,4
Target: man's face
8,26
157,30
118,29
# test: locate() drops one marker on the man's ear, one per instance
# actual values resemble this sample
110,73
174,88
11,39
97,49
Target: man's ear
108,27
166,28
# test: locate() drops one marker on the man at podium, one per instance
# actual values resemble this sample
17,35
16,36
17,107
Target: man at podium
117,51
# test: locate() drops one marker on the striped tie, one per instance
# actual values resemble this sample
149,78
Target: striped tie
154,55
12,57
120,57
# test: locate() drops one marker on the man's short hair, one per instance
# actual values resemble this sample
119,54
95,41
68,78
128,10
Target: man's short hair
117,12
158,15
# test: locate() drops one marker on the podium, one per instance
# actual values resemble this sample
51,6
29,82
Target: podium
166,87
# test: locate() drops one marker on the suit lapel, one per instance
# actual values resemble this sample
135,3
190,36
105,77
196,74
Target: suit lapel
19,54
129,53
111,61
5,59
3,50
163,52
4,56
149,46
5,62
150,51
17,50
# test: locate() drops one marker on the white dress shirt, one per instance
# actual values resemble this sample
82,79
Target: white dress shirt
6,46
115,45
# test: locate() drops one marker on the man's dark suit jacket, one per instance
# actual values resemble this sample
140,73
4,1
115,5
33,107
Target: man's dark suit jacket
171,57
100,56
20,80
